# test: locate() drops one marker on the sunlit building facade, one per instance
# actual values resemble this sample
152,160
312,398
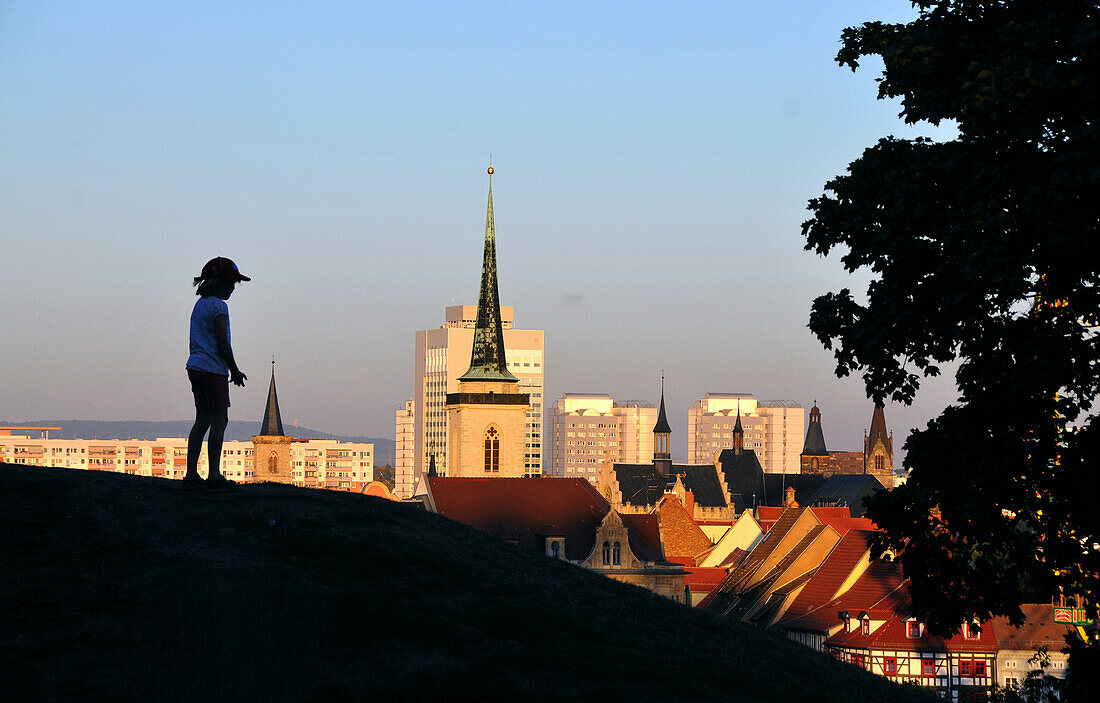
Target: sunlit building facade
585,429
774,429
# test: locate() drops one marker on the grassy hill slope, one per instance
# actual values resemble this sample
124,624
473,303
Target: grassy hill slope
126,588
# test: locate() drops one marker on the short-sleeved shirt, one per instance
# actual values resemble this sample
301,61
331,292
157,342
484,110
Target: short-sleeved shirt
204,338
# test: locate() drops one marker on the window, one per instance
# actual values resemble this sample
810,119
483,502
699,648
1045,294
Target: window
971,631
880,463
979,667
606,552
555,549
912,629
928,667
1012,682
865,626
859,660
492,450
617,554
889,665
964,668
273,463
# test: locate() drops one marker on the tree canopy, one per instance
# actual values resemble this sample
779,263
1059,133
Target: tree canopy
983,253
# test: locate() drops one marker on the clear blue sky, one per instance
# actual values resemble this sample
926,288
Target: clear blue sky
653,164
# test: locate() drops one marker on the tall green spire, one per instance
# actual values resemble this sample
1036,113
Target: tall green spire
487,360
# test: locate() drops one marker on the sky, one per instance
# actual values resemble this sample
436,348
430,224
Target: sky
653,163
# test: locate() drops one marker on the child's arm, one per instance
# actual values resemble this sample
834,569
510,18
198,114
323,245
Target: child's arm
221,331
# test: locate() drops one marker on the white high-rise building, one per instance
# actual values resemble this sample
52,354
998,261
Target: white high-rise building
403,450
442,355
584,429
774,429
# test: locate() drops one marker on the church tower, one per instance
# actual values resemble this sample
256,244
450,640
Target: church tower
487,416
271,447
662,438
878,450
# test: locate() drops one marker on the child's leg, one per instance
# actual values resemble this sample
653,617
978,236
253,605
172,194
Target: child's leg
218,420
194,440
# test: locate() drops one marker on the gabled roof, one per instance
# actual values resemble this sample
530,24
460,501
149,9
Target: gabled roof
805,485
644,532
1038,630
882,586
838,567
893,634
526,510
680,536
744,478
643,484
846,490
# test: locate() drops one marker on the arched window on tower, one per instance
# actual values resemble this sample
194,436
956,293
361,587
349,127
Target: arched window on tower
813,463
606,552
273,463
617,554
880,463
492,450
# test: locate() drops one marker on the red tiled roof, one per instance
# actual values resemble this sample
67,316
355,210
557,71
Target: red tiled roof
527,510
733,558
680,535
644,532
1038,630
704,578
882,586
831,574
892,635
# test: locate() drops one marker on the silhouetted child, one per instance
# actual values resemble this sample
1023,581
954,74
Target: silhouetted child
210,363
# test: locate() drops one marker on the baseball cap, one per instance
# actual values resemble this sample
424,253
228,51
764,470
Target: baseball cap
222,267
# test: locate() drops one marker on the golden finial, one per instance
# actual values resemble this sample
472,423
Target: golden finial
490,164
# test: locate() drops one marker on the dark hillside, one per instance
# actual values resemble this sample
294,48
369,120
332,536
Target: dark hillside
125,588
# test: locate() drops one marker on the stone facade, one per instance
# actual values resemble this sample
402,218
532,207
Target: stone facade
271,459
486,422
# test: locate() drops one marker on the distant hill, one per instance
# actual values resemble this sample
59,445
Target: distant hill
237,431
128,588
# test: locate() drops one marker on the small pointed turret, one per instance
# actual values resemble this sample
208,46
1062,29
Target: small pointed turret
273,421
431,467
662,435
487,359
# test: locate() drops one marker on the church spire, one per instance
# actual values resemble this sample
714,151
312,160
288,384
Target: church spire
487,359
273,421
738,432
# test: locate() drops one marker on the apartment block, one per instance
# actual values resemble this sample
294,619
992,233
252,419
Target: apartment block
315,463
404,433
584,429
774,429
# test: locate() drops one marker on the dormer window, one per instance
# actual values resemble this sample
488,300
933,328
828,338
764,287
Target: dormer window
555,549
971,631
617,554
865,626
606,553
912,629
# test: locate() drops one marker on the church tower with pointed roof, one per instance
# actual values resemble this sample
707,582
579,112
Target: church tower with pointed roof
662,438
486,417
878,449
271,447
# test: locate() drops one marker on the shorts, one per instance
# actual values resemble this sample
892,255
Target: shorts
211,389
